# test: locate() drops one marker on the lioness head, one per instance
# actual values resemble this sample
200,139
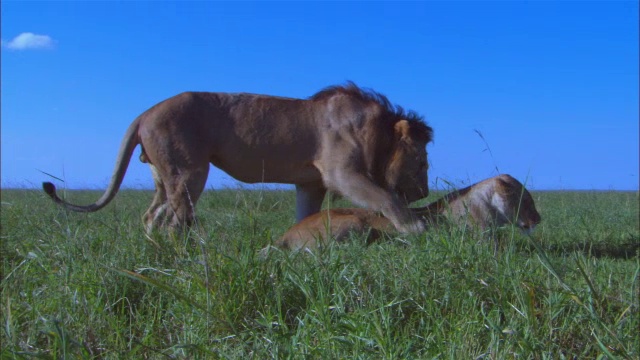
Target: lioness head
406,173
518,205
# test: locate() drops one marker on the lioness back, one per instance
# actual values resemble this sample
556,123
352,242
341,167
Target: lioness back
334,224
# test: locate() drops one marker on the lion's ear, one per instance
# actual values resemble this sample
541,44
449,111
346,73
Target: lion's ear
402,129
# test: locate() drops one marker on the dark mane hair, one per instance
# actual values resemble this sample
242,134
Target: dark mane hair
394,113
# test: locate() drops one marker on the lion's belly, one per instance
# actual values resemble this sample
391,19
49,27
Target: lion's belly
268,150
254,168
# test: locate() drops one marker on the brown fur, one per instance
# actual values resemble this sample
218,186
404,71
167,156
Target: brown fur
488,204
344,139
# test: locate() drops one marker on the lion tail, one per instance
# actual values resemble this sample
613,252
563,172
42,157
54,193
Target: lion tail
129,143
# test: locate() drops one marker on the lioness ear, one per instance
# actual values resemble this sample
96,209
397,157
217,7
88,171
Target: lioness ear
402,129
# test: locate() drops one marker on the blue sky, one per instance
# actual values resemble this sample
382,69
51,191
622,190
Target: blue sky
551,86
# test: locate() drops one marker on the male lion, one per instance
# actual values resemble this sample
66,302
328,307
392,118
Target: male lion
344,139
488,204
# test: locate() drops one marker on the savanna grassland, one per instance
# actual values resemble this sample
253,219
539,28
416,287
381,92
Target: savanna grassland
93,286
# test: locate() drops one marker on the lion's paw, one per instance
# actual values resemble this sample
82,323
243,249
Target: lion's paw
413,227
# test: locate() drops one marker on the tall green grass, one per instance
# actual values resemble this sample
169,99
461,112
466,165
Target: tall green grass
94,286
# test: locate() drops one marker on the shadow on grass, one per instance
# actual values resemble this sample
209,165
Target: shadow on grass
628,249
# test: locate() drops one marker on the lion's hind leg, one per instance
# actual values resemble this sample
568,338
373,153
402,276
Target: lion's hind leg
183,191
156,215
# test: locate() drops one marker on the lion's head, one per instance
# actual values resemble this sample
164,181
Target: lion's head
520,207
406,173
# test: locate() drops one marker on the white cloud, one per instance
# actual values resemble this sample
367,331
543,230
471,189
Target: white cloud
27,40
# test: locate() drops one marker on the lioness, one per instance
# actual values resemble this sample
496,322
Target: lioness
344,139
488,204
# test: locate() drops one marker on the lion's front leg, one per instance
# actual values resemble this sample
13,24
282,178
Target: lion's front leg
361,190
309,199
401,217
